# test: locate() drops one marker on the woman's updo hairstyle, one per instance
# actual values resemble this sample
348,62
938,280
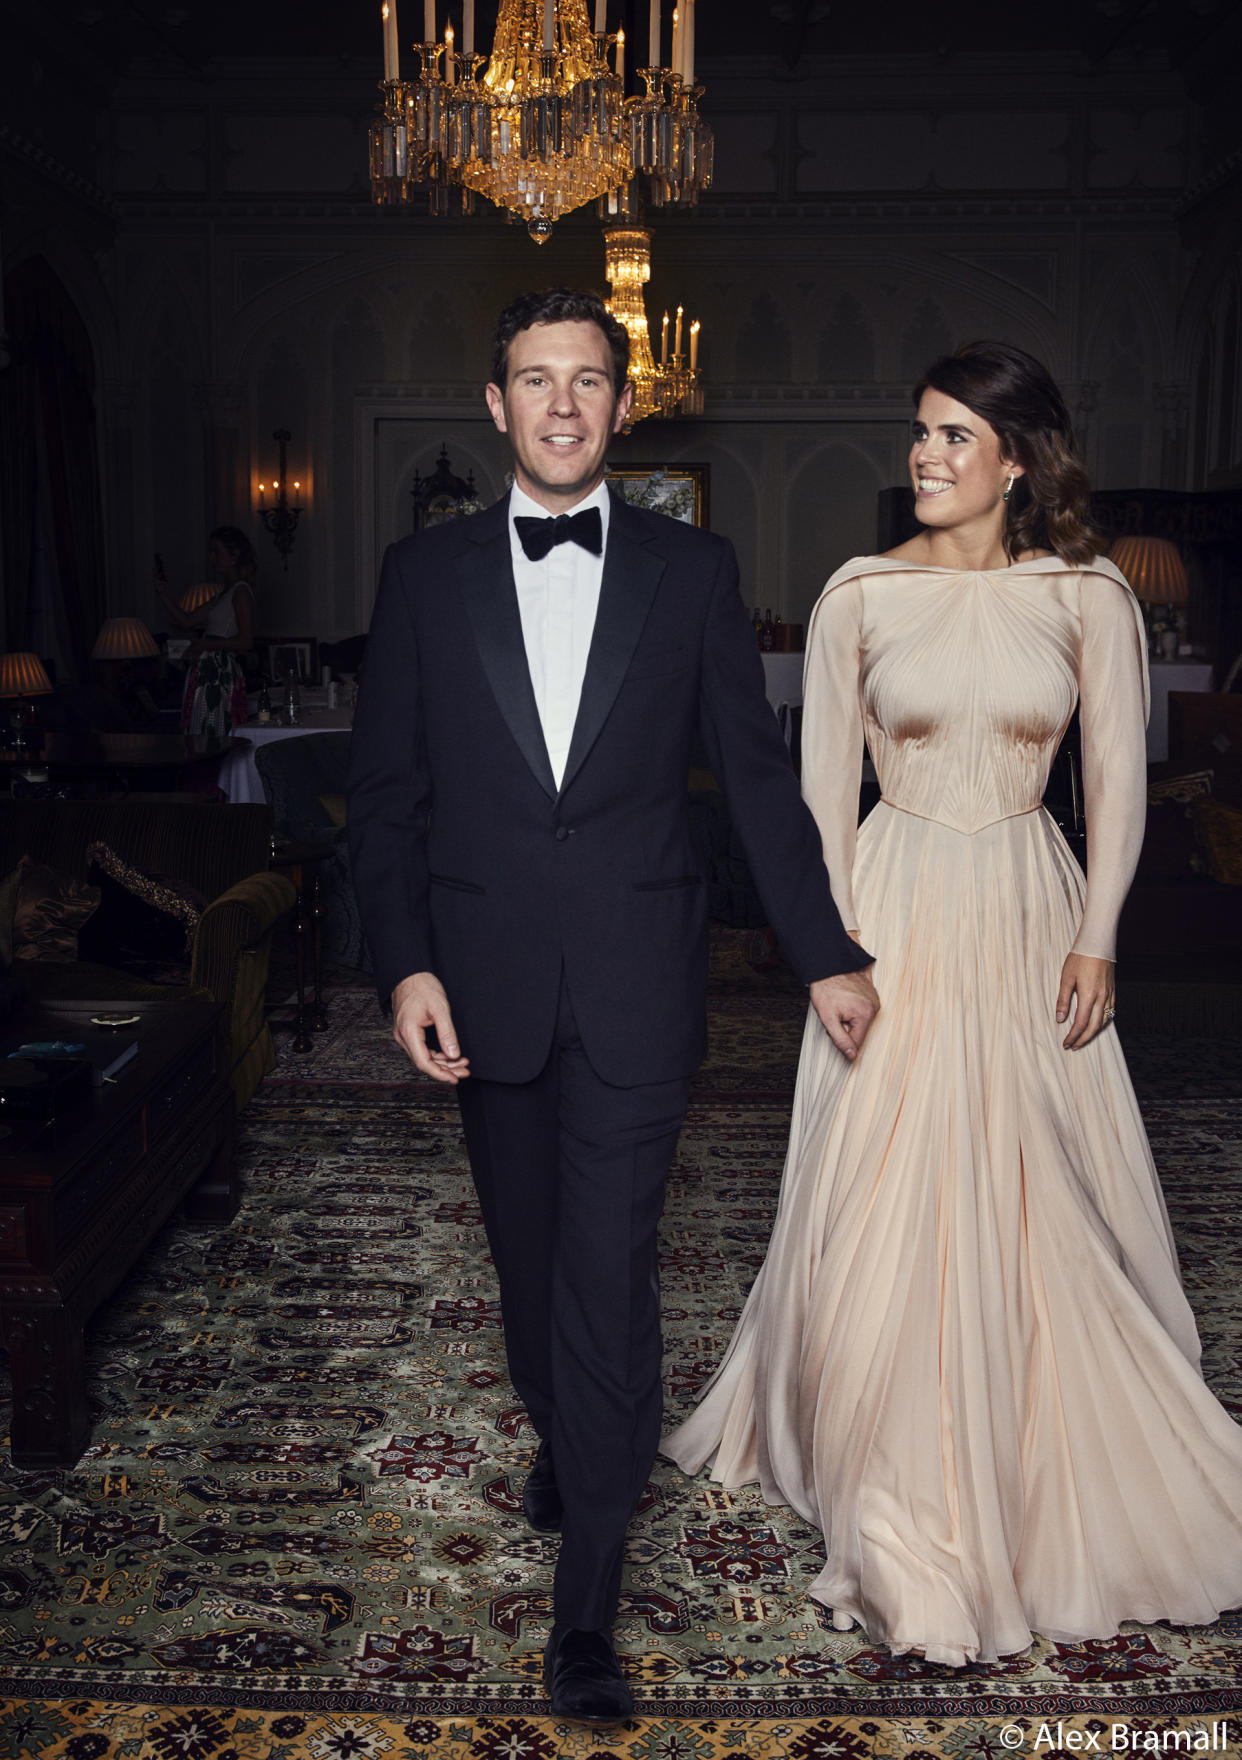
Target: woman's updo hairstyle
1048,506
239,548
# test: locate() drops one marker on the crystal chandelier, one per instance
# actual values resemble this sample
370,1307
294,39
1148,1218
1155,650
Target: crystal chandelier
672,388
542,125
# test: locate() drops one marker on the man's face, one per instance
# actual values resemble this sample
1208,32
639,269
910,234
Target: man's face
559,410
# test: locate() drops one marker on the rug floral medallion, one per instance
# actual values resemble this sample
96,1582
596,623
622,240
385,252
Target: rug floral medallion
298,1530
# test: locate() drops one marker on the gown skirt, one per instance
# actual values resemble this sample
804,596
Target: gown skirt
968,1358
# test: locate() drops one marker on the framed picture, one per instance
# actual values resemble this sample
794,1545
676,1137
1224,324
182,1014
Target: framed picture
679,490
280,655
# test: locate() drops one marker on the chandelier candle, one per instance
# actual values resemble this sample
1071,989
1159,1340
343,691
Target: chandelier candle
429,21
467,27
654,33
392,54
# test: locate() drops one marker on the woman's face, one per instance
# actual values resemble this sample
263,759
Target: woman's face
221,561
956,465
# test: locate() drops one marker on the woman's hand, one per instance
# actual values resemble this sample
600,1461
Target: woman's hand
1091,985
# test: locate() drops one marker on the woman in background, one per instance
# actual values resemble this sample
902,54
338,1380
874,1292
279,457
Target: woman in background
215,686
967,1357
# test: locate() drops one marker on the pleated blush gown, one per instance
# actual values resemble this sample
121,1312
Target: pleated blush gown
968,1358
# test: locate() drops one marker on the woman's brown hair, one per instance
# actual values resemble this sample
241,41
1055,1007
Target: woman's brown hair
1048,506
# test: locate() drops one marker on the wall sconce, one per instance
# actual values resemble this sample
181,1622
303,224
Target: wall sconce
279,514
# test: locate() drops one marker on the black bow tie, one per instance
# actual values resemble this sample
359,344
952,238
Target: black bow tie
537,536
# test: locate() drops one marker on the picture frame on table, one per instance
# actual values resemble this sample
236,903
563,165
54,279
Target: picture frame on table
278,654
679,490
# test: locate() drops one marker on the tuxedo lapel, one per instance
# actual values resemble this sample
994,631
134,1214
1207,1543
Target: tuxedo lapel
485,569
632,573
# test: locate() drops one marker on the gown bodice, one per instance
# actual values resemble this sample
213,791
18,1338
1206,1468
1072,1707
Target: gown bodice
966,745
962,684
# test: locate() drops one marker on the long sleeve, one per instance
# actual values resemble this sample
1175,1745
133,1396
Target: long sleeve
1112,686
390,792
832,734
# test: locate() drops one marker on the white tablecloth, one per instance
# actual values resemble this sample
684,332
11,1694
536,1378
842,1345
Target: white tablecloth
782,675
1166,676
239,776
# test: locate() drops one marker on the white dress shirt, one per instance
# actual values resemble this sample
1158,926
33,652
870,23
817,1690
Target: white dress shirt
558,598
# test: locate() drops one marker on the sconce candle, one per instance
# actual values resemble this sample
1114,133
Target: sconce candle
694,346
677,336
281,520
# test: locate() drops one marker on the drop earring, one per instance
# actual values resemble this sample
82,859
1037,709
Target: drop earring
1008,489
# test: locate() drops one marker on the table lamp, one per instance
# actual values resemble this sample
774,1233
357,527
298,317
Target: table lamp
199,594
24,676
1157,577
124,638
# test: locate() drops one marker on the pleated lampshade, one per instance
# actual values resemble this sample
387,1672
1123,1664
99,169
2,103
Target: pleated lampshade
201,593
124,638
1154,569
23,675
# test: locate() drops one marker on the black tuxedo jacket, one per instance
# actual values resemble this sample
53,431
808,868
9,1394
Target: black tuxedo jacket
469,862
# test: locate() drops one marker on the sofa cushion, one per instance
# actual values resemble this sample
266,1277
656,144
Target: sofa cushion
50,910
146,922
1219,830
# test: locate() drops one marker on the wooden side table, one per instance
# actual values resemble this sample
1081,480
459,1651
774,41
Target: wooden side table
301,862
82,1195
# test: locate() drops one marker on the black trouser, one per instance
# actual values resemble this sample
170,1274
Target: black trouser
570,1174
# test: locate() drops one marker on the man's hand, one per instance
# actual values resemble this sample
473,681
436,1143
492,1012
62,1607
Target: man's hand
1091,985
847,1005
418,1003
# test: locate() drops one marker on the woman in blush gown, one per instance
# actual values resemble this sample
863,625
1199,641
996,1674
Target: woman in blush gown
967,1357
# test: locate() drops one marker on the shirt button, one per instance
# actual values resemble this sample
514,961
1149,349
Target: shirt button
561,833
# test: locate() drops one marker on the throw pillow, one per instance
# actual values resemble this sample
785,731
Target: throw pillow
146,922
1186,787
50,911
1219,830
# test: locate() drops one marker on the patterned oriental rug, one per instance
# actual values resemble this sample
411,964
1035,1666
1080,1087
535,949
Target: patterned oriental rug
298,1530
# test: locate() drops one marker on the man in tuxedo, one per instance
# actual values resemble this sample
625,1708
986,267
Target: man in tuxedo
518,821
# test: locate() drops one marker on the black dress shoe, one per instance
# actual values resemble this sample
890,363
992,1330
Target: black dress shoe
584,1679
541,1501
